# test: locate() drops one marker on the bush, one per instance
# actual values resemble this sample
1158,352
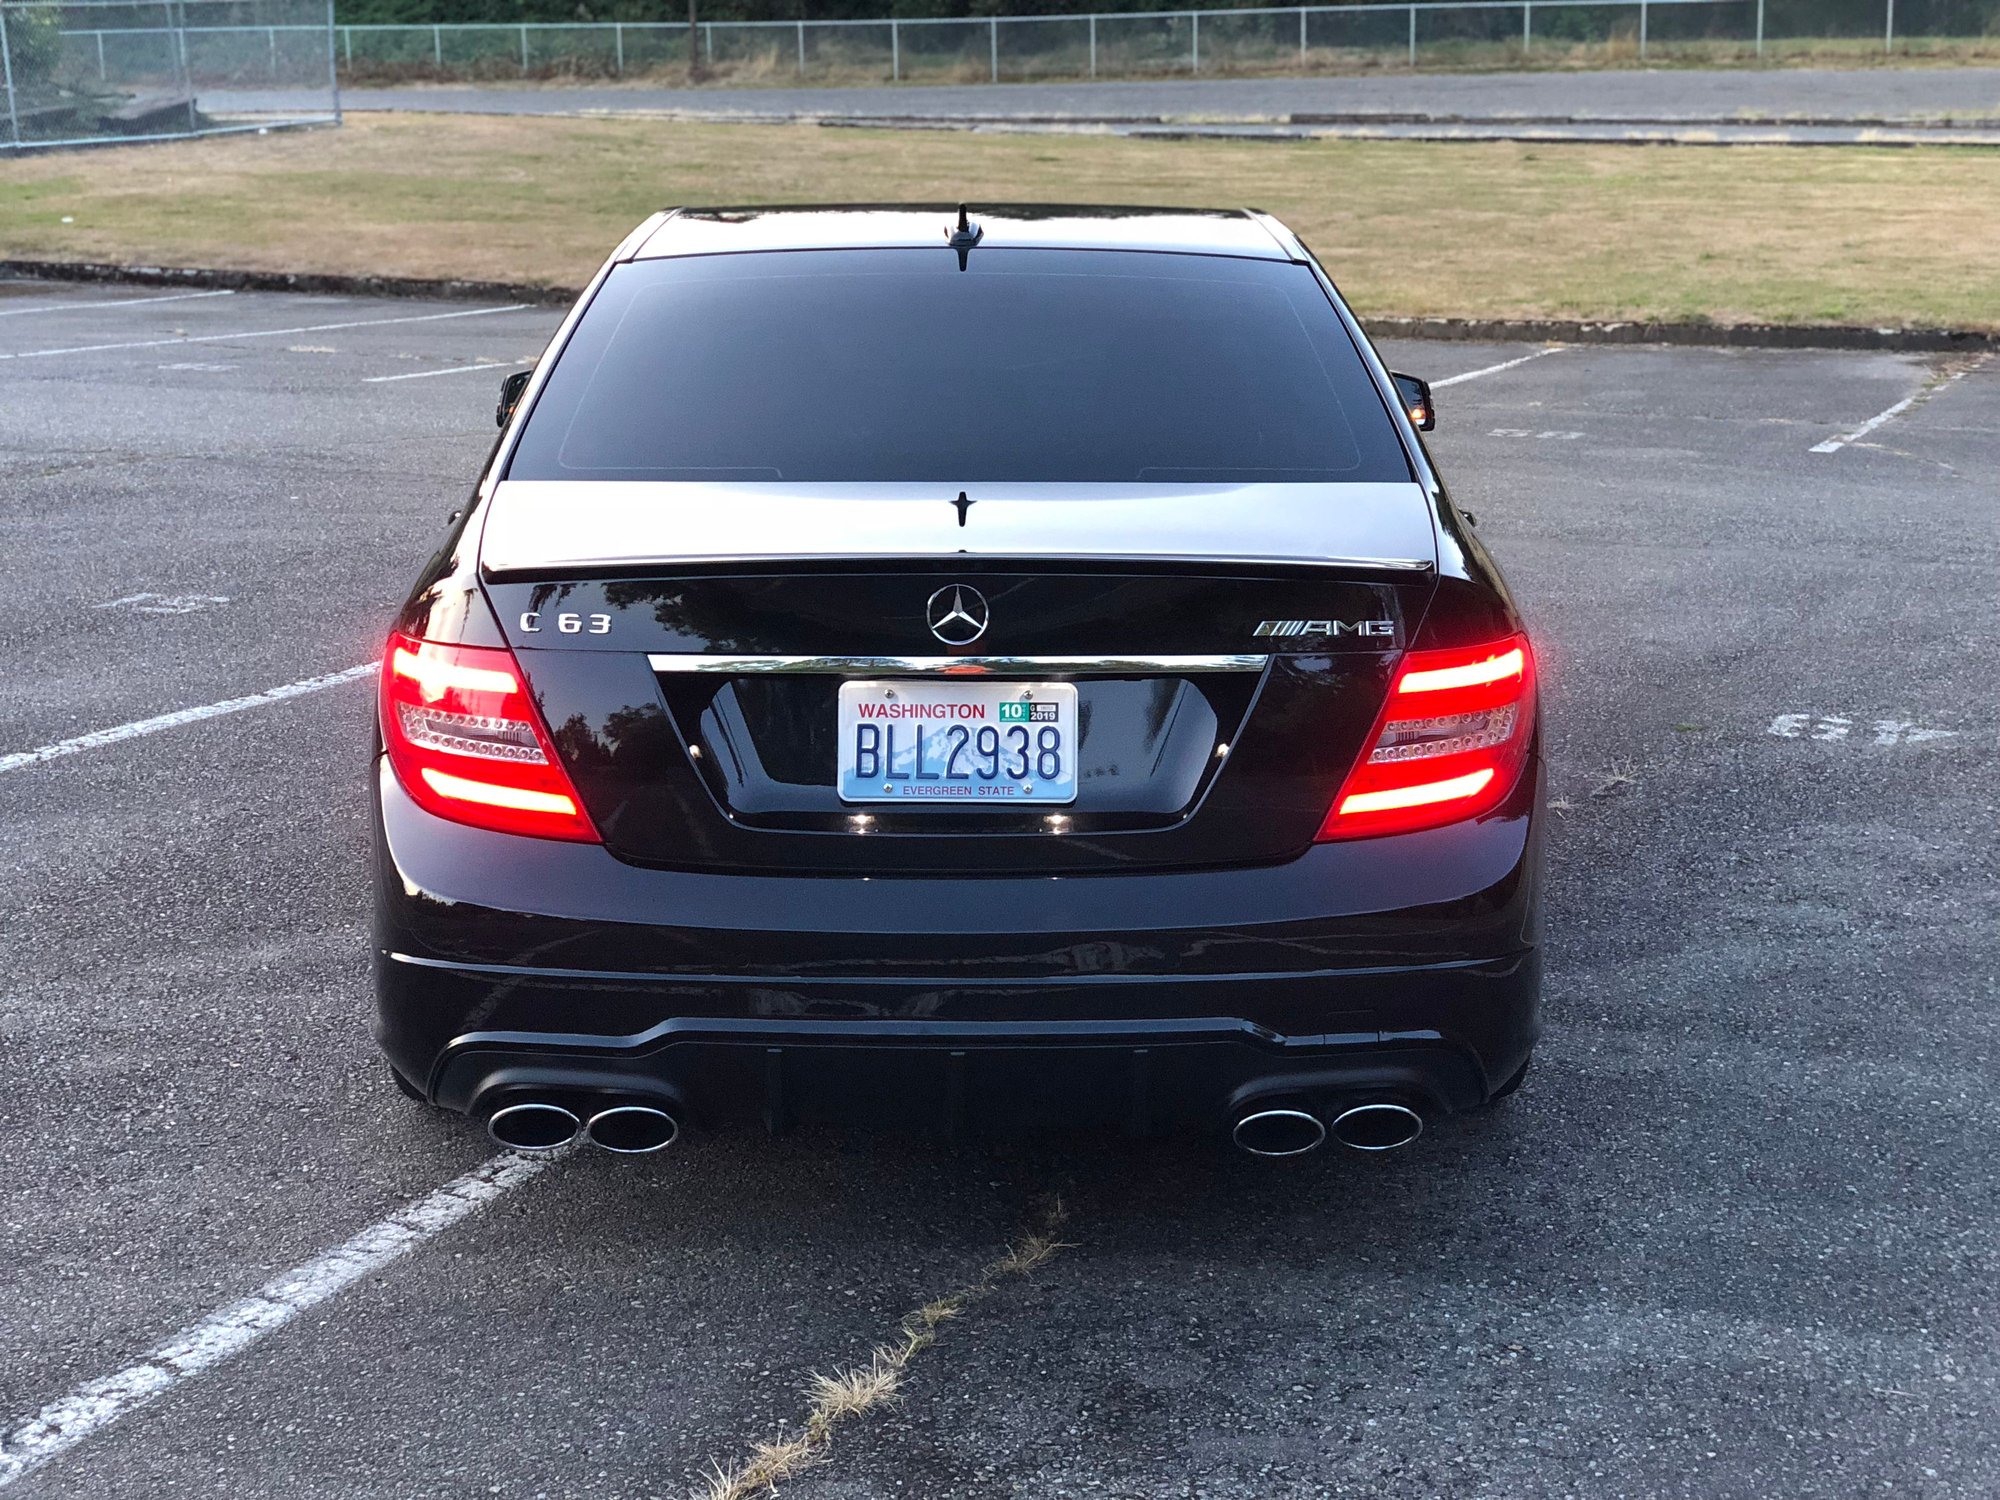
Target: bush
34,44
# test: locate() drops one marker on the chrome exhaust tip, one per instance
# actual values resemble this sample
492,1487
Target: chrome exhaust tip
1377,1127
632,1129
1279,1132
533,1127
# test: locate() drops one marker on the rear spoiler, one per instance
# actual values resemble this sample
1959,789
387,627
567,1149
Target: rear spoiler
552,527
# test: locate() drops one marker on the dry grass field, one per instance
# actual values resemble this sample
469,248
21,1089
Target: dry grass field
1744,234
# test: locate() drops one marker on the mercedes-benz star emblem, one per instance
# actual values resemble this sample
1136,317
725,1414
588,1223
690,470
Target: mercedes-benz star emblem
957,614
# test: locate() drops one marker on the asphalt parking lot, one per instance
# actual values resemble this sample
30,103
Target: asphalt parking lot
1735,1237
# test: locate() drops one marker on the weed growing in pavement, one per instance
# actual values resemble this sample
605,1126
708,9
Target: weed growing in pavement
862,1388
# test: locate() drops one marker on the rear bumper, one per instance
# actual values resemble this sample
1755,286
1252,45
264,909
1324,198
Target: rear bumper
1403,967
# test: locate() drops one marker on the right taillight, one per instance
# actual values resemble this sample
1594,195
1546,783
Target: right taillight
1450,744
467,744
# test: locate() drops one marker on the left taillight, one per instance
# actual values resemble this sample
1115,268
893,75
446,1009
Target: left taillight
466,743
1451,743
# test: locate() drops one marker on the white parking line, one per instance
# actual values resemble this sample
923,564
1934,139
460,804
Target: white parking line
96,1404
88,305
1834,445
266,333
100,737
165,604
1899,409
495,364
1832,729
1496,369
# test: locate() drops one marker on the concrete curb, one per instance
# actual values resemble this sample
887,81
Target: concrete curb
1462,330
1693,335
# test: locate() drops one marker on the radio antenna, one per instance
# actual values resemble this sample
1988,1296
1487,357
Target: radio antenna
964,237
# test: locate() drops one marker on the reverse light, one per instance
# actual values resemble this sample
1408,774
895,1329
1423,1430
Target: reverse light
467,744
1450,745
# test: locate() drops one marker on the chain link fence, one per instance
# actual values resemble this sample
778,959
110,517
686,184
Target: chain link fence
1433,34
87,72
101,70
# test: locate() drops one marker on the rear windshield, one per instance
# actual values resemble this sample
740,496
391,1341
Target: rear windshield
895,365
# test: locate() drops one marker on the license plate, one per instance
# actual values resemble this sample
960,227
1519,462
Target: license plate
965,742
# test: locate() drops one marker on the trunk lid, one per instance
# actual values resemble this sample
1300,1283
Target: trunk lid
687,645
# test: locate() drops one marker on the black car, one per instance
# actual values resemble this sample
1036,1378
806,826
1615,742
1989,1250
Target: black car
963,669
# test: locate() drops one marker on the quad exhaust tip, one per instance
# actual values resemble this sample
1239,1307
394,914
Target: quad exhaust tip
1377,1127
1360,1127
534,1127
1279,1132
625,1129
632,1129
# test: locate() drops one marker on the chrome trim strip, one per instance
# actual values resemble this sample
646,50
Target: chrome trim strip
958,666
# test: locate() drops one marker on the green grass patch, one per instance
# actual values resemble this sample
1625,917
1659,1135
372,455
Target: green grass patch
1880,236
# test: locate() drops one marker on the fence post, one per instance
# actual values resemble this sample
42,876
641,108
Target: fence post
993,46
895,52
1642,30
181,54
802,49
1889,30
100,57
1093,46
332,72
1194,42
524,51
347,43
618,50
708,43
1302,36
7,77
437,48
1527,26
1760,28
1413,36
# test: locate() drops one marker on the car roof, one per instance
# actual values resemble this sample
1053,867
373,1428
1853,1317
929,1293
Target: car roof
1187,231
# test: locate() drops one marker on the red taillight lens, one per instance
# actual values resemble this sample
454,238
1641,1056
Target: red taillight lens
467,744
1451,742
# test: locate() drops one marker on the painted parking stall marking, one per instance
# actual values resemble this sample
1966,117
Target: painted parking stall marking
1833,729
1882,418
98,738
267,333
487,364
166,604
1507,364
31,1442
90,305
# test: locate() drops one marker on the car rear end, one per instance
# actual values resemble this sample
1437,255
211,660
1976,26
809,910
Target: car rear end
1032,681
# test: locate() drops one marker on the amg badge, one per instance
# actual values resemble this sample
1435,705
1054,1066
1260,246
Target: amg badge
1384,628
